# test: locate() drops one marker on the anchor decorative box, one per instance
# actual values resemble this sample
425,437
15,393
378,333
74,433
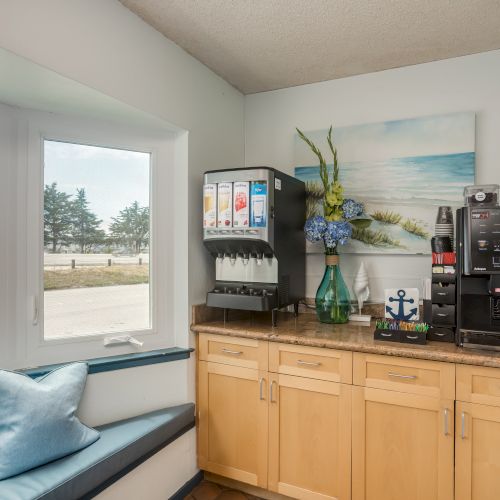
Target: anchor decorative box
402,304
408,332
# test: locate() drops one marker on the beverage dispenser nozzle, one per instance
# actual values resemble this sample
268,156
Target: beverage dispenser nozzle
233,259
245,259
259,259
220,256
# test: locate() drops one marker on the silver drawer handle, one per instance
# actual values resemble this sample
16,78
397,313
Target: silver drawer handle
261,388
412,337
235,353
398,375
462,434
442,314
386,334
271,399
441,293
308,363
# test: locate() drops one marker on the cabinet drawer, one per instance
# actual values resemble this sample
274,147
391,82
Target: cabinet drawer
443,315
478,384
247,353
416,376
311,362
443,293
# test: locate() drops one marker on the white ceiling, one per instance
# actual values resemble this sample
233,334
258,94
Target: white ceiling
259,45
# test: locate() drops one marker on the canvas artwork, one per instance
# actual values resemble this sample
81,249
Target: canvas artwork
401,170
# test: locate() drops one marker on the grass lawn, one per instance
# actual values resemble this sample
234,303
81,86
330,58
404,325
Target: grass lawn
82,277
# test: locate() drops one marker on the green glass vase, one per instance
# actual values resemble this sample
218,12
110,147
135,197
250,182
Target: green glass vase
333,303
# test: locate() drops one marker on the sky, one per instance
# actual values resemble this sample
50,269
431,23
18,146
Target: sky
424,136
112,178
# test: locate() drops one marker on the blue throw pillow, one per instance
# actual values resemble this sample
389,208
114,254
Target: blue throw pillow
37,418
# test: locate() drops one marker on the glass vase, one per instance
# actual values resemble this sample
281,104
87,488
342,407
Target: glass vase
333,303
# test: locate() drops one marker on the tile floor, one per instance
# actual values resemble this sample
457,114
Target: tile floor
211,491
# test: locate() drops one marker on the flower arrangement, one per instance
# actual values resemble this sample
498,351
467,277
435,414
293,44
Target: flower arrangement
335,226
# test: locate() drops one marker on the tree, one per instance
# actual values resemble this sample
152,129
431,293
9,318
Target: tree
131,227
85,231
56,217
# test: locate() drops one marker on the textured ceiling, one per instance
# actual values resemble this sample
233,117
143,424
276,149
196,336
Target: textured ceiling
259,45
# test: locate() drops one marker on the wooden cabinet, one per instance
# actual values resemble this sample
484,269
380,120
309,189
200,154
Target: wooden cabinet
477,441
402,446
477,450
416,376
233,408
402,429
478,384
233,422
289,430
311,362
322,424
247,353
309,438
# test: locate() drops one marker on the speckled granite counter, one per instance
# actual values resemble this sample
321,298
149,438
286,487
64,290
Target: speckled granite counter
306,330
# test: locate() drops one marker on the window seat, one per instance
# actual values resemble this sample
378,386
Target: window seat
122,446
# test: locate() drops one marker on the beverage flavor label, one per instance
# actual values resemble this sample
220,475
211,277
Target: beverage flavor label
241,205
225,204
258,203
209,205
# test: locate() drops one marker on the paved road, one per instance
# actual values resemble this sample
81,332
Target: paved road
95,310
92,259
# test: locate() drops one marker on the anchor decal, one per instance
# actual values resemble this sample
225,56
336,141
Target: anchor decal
401,310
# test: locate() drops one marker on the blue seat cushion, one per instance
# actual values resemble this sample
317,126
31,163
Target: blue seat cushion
123,445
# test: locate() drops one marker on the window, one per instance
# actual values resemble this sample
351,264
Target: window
96,232
99,262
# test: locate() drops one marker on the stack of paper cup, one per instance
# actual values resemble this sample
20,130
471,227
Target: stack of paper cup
444,224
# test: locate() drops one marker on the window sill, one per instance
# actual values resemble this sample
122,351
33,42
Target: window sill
111,363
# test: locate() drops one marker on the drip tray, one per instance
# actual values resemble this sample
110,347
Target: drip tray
244,302
475,339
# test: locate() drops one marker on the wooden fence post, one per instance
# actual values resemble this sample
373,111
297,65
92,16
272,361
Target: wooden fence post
140,261
73,263
109,262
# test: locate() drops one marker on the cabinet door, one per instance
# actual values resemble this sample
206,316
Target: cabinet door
477,452
402,446
309,438
233,422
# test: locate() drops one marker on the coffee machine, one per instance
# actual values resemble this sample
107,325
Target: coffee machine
253,222
478,268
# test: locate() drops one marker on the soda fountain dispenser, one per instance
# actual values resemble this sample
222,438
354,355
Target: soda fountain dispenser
253,221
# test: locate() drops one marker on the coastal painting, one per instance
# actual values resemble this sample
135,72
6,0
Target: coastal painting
402,171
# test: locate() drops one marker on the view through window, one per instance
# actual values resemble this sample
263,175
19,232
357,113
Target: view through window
96,240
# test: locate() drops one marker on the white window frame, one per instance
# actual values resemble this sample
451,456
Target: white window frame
160,144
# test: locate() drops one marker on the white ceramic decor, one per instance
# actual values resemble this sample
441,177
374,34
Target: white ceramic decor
362,291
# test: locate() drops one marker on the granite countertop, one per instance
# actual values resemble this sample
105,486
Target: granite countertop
308,331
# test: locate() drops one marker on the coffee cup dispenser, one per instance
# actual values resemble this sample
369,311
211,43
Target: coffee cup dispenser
253,221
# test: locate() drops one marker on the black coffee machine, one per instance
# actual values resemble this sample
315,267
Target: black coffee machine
478,266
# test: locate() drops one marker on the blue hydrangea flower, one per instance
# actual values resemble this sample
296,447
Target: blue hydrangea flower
315,228
351,209
337,232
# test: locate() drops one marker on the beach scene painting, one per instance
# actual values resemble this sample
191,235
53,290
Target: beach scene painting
402,171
